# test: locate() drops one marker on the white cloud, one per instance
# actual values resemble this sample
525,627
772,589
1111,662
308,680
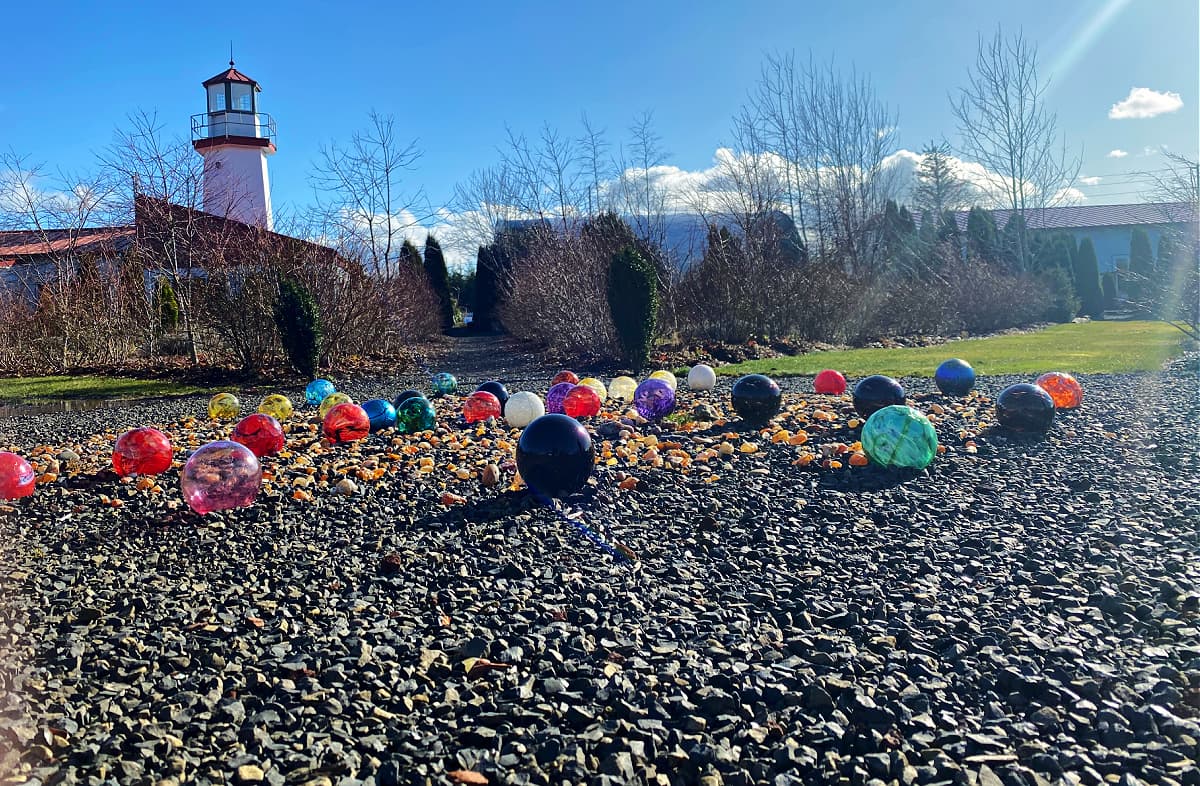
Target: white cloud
1118,153
1089,181
1142,102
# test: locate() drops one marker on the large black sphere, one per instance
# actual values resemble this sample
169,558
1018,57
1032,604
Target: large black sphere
875,392
1025,408
555,455
497,389
405,396
756,398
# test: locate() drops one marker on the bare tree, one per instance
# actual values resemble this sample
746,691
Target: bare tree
1006,127
597,171
1173,291
641,198
938,187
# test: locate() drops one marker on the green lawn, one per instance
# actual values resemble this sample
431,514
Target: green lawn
35,388
1087,348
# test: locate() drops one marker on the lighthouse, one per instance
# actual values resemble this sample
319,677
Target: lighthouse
235,139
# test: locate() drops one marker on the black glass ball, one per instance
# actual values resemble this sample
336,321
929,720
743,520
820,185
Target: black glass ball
405,396
1025,408
555,455
756,398
497,389
875,392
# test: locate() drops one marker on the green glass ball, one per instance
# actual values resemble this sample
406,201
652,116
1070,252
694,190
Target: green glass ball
899,436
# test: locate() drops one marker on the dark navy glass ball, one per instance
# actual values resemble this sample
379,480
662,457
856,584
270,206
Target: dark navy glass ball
555,455
497,389
1025,408
756,398
875,392
405,396
954,377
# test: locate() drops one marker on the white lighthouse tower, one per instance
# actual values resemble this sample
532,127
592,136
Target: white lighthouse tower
235,140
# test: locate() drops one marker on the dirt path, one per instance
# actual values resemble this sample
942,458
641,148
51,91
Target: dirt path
474,356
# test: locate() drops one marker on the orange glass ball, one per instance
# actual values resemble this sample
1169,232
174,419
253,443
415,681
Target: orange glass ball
565,376
1064,390
581,402
346,423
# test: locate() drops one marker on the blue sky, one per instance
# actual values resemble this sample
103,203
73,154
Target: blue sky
455,73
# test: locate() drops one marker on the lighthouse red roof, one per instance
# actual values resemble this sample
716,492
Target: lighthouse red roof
231,75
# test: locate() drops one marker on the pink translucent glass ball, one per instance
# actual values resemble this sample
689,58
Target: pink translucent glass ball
220,476
481,405
142,451
16,476
261,433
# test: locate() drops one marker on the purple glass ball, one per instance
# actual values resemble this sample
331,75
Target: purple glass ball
555,397
654,399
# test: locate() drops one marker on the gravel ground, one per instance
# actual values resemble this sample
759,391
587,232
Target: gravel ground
1023,612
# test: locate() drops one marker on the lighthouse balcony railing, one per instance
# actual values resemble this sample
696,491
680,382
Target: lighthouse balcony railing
232,123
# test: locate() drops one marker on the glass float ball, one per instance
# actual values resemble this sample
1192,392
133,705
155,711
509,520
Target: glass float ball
405,396
317,391
899,436
556,395
380,413
277,406
756,398
1064,390
875,392
142,451
555,455
220,476
581,402
414,415
261,433
481,406
565,376
16,476
702,377
622,388
331,401
954,377
224,406
654,399
346,423
829,383
1025,408
666,376
497,389
596,385
444,384
523,408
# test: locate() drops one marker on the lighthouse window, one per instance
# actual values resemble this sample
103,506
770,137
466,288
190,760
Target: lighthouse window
216,98
241,98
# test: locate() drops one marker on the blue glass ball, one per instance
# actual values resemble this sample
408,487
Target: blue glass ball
318,390
444,384
954,377
381,413
875,392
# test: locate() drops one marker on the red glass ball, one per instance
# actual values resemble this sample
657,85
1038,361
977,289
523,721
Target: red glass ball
830,383
581,402
1064,389
16,476
346,423
481,405
565,376
261,433
142,451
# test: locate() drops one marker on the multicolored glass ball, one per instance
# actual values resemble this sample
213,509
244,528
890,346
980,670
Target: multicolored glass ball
829,383
899,436
622,388
954,377
565,376
1063,388
1025,408
581,402
654,399
17,477
555,456
346,422
523,408
481,406
556,395
596,385
381,413
220,476
415,415
224,406
261,433
756,398
444,384
497,389
702,377
317,391
277,406
142,451
331,401
875,392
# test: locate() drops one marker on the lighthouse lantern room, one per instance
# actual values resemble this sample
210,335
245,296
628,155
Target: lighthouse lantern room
235,139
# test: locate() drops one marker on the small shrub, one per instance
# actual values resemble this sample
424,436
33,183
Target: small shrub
1087,280
633,301
168,308
1064,305
299,324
